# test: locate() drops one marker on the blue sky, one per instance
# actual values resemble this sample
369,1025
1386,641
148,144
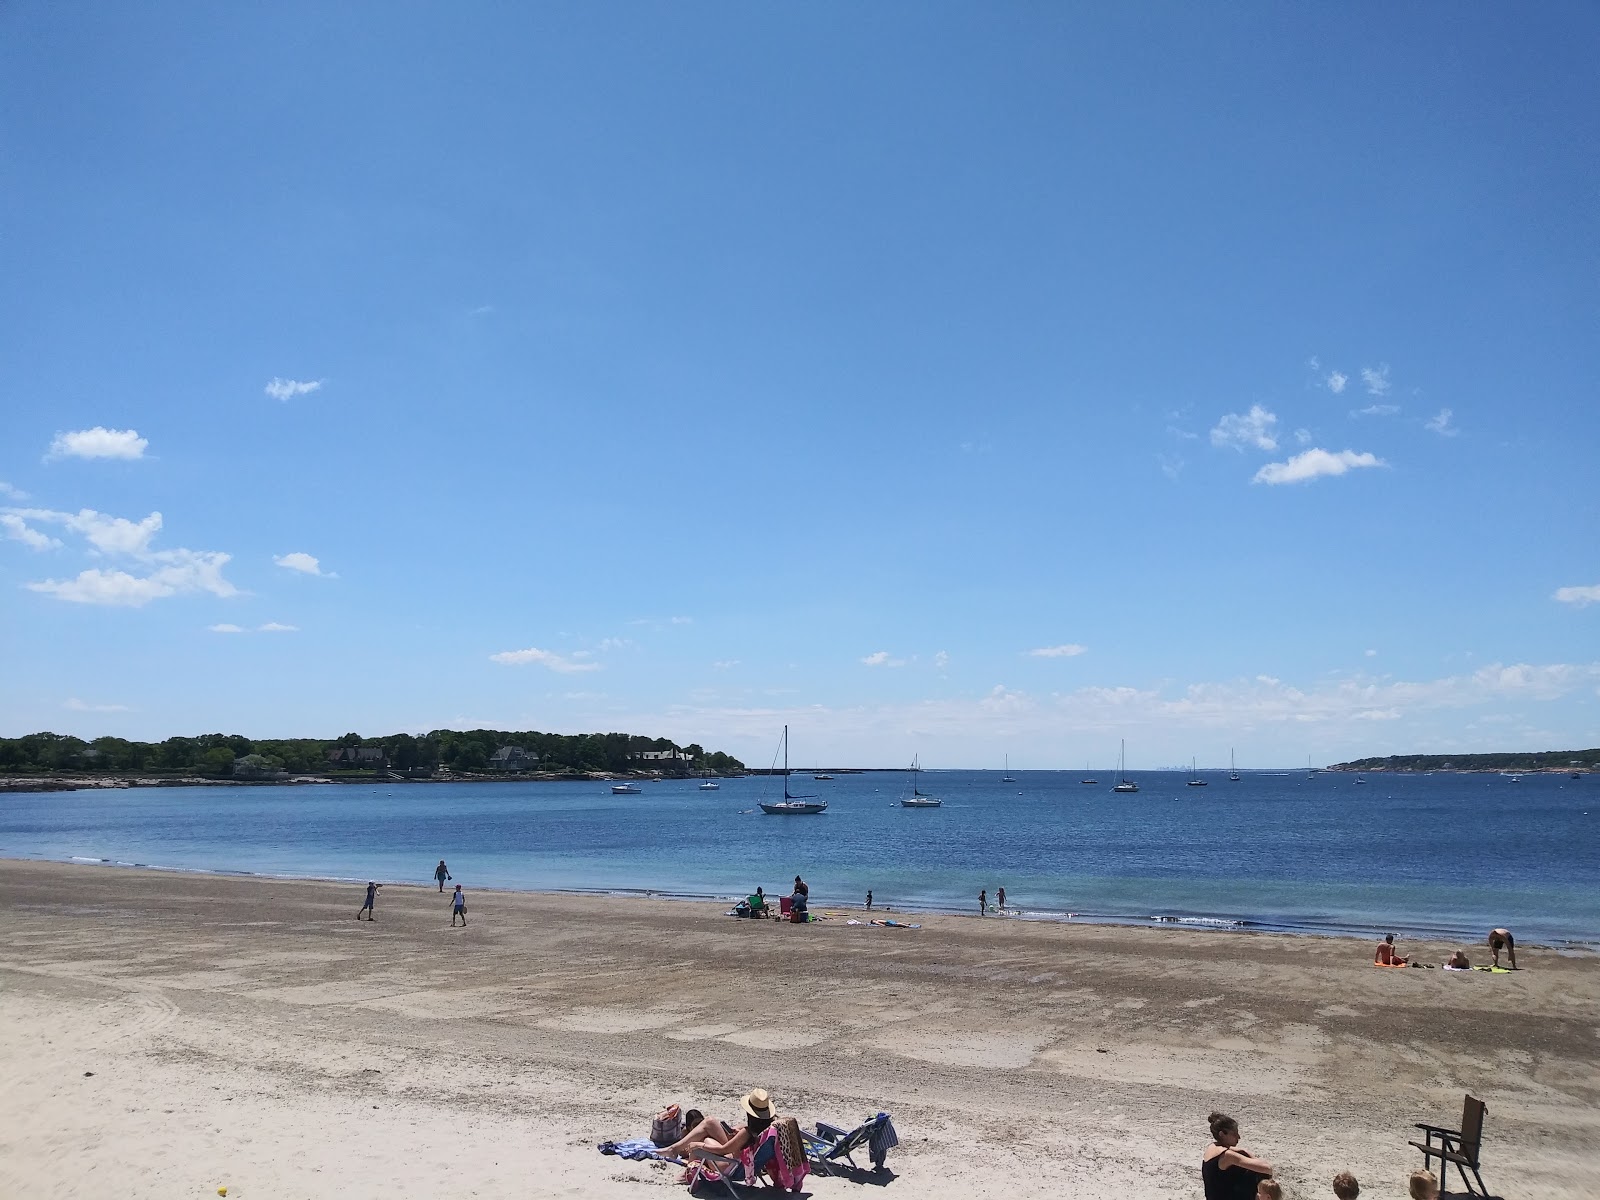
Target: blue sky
962,381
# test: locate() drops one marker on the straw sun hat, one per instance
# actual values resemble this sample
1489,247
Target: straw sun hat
757,1104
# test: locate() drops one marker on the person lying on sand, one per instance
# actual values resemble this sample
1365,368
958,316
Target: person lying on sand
1386,957
1458,962
718,1137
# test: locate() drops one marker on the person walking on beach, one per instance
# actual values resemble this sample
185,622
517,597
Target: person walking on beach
458,907
869,899
1000,901
441,873
1501,939
372,896
983,902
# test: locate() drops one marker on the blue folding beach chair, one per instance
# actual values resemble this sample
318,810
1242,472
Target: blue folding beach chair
730,1171
831,1144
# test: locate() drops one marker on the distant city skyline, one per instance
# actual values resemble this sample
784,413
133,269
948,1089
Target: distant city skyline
937,382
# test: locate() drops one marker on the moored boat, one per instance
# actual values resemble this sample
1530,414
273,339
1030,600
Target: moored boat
793,806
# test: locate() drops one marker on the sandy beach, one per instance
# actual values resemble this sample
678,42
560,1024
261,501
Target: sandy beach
169,1034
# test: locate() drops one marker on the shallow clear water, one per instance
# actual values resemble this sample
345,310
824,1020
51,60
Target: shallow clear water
1450,855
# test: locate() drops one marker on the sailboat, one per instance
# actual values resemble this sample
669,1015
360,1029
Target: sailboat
1088,775
1006,778
1124,784
918,799
1233,771
1194,776
792,805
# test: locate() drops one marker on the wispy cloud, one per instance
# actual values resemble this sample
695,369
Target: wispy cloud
98,442
881,658
224,627
1376,410
1376,379
19,530
305,564
1254,428
276,627
76,705
725,664
1069,650
1441,425
1313,464
1171,465
941,660
1302,437
288,389
659,623
1370,653
563,664
107,534
1578,597
180,571
1336,381
12,493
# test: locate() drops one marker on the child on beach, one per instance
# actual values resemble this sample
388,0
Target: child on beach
983,902
1269,1189
372,895
869,899
1345,1186
458,907
1424,1186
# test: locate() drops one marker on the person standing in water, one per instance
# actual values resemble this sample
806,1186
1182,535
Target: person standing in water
1000,901
441,873
983,902
458,907
1501,939
372,896
869,899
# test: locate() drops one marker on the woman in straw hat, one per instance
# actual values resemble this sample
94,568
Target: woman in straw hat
718,1137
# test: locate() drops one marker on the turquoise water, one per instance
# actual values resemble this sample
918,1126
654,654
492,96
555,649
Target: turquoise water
1444,855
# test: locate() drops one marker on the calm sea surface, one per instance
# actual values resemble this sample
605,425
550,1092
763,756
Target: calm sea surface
1448,855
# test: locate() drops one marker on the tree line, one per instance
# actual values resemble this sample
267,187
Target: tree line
1542,760
216,754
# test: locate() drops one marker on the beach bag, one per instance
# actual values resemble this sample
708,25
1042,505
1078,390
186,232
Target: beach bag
667,1126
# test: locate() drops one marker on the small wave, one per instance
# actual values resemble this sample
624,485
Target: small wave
81,858
1208,922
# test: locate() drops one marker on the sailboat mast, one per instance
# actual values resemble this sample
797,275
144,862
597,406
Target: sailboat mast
785,762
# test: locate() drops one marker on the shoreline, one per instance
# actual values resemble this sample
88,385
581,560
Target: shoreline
1199,923
169,1034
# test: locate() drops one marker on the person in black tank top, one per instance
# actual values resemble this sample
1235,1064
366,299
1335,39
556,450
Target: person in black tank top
1227,1172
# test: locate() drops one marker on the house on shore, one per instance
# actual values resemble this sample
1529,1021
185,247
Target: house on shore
513,758
371,758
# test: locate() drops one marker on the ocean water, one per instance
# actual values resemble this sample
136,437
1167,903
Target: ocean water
1441,855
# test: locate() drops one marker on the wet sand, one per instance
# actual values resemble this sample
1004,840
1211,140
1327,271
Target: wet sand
249,1033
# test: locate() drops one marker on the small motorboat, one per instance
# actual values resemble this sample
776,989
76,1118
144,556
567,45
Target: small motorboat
711,785
824,778
626,789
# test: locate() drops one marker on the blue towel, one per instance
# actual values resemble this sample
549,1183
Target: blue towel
636,1149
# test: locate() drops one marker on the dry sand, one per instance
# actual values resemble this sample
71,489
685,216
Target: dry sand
249,1033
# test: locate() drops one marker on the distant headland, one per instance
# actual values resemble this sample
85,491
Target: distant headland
1548,761
53,761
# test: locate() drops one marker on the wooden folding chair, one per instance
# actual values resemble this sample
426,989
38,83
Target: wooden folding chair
1458,1146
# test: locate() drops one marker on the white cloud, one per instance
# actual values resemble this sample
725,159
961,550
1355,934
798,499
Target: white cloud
1370,653
724,664
1376,379
12,493
306,564
109,535
1171,465
182,571
680,620
880,658
545,658
1441,424
1578,597
275,627
1314,363
1302,437
76,705
941,660
1254,428
1376,410
1336,381
287,389
225,628
1315,463
98,442
18,530
1070,650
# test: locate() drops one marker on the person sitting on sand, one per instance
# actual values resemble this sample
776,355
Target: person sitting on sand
718,1137
1501,939
1227,1172
1424,1186
1345,1186
1386,957
1458,962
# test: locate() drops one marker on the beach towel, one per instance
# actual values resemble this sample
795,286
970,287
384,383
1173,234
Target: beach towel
896,925
635,1149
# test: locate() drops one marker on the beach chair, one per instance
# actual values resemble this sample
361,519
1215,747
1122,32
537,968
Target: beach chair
720,1168
1458,1146
758,906
785,907
831,1144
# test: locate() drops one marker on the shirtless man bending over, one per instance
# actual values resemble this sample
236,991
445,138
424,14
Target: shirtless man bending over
1501,939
